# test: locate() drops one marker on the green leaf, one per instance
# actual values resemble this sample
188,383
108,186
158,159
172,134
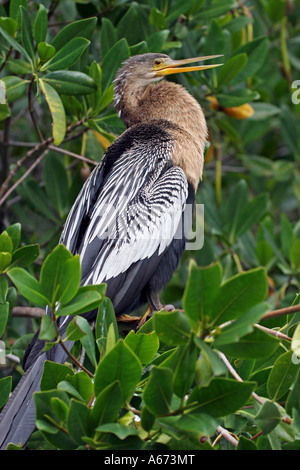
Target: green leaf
3,289
60,408
257,344
108,36
268,417
27,286
256,51
53,374
221,397
5,260
6,244
143,345
120,430
25,255
231,68
76,29
45,51
79,386
184,372
107,405
282,375
26,34
172,328
16,46
14,9
87,340
178,8
40,25
67,55
215,9
57,112
242,326
199,423
14,231
4,311
237,97
112,62
252,213
15,87
9,25
56,183
202,286
295,255
86,299
158,392
238,294
5,389
122,365
105,317
70,82
47,329
74,332
78,421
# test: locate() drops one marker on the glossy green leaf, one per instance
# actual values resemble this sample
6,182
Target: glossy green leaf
15,87
231,68
255,345
88,339
118,429
237,97
4,311
112,62
158,392
122,365
15,44
14,9
45,51
173,327
70,82
3,289
78,421
9,25
47,329
105,317
25,255
67,55
108,36
268,417
221,397
143,345
5,389
282,375
53,374
6,244
242,326
26,34
256,51
56,182
76,29
202,286
184,372
27,286
107,405
40,24
57,112
238,294
86,299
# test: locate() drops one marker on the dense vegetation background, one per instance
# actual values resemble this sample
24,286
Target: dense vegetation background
224,373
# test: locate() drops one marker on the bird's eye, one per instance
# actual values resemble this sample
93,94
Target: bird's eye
157,62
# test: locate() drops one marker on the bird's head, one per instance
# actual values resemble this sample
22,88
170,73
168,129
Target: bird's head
147,68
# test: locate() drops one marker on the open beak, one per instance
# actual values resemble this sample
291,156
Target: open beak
174,66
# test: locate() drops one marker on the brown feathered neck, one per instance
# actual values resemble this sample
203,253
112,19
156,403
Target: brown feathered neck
138,102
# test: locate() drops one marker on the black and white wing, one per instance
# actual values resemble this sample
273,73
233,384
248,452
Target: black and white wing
125,225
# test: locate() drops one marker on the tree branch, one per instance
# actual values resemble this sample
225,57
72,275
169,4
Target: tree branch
31,312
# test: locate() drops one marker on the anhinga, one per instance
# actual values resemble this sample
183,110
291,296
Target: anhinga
124,220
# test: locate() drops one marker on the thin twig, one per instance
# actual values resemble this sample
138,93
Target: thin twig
237,377
276,333
224,433
31,312
281,311
24,176
72,154
38,148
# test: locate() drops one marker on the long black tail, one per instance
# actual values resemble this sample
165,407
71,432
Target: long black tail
17,419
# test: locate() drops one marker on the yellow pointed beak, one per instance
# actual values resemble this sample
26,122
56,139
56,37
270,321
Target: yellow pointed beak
170,66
